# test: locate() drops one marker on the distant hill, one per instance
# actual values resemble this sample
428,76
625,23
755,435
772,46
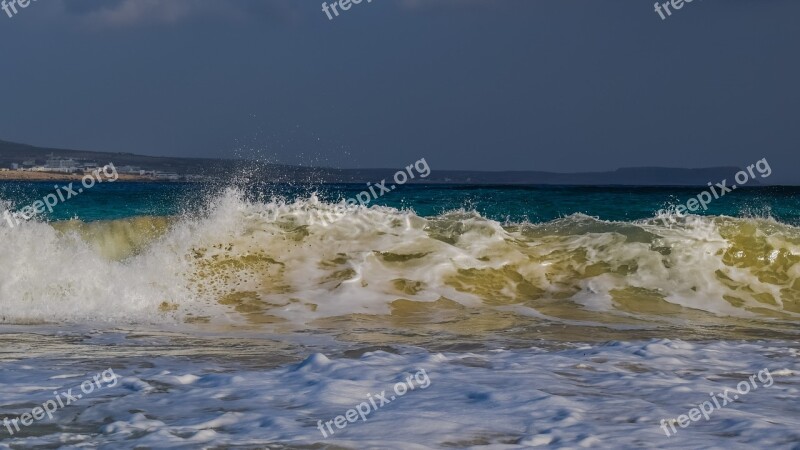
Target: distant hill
634,176
11,152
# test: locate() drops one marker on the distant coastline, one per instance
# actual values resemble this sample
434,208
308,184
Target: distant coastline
17,175
157,168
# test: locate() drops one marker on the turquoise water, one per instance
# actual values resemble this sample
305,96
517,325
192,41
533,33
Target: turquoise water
536,204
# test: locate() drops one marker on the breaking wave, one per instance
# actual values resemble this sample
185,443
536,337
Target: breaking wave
268,263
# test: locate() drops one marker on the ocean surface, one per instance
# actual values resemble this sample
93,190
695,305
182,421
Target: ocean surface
543,316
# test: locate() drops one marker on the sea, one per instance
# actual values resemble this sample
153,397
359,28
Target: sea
255,315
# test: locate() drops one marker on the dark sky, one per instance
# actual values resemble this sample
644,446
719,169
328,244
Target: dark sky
558,85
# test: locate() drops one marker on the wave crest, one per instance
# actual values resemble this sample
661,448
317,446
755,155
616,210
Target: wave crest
274,262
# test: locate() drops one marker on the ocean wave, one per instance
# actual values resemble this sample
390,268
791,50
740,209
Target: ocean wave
273,262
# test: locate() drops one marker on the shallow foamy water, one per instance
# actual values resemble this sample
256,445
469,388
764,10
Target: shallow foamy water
194,395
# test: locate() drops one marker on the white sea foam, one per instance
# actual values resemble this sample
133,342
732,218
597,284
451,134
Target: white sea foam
273,262
610,396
